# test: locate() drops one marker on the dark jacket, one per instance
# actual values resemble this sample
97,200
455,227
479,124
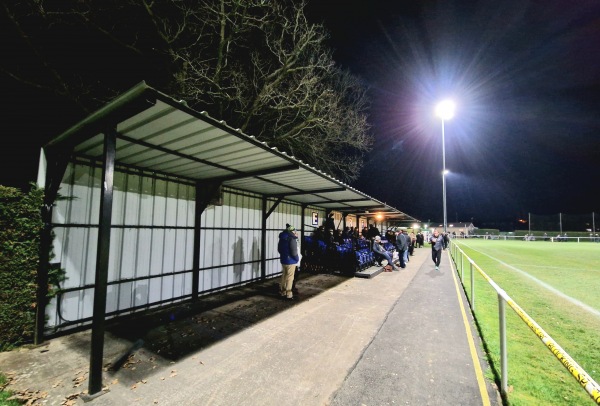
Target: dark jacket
437,243
329,223
402,242
288,248
377,247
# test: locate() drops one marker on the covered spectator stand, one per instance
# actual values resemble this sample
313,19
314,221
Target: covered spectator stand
149,203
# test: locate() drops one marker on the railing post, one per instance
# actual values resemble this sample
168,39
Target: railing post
503,354
472,285
462,267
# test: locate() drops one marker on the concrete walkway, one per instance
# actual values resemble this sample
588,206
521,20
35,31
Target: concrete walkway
399,338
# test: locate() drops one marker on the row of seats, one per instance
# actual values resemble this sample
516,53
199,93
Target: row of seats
364,255
347,257
365,258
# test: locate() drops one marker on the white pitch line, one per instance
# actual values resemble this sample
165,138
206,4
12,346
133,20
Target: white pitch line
546,267
557,292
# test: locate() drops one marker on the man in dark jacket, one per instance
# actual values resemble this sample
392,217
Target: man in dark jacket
288,256
401,246
329,223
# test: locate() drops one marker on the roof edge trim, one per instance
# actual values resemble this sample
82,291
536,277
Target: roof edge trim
112,108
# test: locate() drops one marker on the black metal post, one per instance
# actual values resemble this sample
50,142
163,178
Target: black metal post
196,264
263,240
206,191
100,289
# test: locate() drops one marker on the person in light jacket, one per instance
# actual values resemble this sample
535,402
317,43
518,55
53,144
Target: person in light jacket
288,256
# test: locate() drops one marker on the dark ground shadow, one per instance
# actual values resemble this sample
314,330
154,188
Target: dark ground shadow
159,338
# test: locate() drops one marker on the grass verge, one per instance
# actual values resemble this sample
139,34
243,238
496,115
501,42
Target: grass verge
5,394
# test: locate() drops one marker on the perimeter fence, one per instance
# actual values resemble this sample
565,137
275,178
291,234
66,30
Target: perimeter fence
540,236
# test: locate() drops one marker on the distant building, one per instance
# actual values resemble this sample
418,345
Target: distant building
460,229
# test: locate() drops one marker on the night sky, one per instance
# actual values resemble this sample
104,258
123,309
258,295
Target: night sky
525,76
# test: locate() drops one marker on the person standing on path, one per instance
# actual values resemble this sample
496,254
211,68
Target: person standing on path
405,235
401,246
437,246
288,256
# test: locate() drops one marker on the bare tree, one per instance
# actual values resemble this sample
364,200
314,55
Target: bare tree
258,64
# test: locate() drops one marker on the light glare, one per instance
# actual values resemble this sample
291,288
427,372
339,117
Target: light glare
445,109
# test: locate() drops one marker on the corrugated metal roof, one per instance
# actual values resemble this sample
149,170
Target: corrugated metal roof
157,133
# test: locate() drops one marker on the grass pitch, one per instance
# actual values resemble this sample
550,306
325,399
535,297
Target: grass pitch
558,285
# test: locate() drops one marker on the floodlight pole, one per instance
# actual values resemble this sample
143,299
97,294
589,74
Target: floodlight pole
444,176
445,111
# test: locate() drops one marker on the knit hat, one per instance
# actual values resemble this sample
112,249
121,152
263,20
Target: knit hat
289,228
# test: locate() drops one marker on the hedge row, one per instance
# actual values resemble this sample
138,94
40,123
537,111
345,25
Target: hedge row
20,227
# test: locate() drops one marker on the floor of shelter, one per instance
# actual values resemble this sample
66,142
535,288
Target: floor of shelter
402,337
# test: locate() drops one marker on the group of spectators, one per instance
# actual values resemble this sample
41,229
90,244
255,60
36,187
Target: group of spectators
403,243
338,236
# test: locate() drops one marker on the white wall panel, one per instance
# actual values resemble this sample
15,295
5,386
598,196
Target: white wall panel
147,202
255,255
129,253
160,202
140,293
189,250
88,267
132,200
124,297
156,253
143,250
181,247
118,204
86,303
171,208
153,235
155,290
167,287
169,252
78,254
115,254
183,207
